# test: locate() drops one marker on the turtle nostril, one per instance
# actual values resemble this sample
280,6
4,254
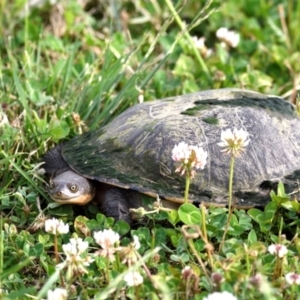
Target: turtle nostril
58,192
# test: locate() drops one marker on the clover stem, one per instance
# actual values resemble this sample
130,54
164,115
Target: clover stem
57,259
231,169
56,250
187,187
107,271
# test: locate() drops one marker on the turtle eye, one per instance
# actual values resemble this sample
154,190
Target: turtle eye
73,188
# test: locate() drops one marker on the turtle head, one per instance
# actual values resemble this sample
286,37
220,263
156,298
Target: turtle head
71,188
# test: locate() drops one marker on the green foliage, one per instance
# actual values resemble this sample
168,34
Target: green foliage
69,67
189,214
264,218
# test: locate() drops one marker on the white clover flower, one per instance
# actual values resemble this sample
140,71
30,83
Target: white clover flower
186,272
129,253
189,157
199,42
220,296
76,260
229,37
234,141
136,243
185,269
257,280
221,33
217,278
107,239
55,226
57,294
3,119
75,247
133,278
200,45
278,250
141,98
292,278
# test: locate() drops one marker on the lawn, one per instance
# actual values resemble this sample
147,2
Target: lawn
71,66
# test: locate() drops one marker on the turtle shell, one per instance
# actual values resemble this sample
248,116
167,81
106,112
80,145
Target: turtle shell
134,150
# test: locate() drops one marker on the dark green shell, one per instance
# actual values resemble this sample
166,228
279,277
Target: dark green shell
134,151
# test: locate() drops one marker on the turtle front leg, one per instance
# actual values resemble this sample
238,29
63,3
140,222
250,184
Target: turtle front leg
116,203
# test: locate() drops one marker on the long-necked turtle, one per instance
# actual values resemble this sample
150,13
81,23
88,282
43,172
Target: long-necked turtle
132,154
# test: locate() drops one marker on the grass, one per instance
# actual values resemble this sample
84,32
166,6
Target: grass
67,68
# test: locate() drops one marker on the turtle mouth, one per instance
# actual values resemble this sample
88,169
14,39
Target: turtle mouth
80,200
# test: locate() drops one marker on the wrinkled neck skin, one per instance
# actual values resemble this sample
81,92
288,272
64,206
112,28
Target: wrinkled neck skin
71,188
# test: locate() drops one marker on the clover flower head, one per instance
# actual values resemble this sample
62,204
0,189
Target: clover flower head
228,37
107,240
292,278
256,280
55,226
75,247
200,45
133,278
185,269
136,242
76,259
3,119
57,294
186,272
220,296
189,157
217,278
234,142
278,250
199,42
129,254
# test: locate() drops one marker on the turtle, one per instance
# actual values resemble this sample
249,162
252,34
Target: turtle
131,156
